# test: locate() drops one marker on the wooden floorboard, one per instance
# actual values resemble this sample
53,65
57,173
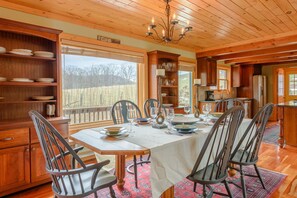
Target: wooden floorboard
271,157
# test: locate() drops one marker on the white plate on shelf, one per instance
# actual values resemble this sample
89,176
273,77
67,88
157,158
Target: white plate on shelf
45,80
21,53
2,50
44,54
21,80
22,50
3,79
42,97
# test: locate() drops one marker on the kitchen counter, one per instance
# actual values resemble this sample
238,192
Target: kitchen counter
288,104
287,115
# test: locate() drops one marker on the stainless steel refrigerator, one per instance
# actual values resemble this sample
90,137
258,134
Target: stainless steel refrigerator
259,92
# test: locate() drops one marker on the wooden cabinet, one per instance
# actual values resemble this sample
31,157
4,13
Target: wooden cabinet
21,160
169,84
246,88
236,76
207,71
14,168
38,170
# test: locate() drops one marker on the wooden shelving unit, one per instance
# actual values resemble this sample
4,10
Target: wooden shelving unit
23,165
169,84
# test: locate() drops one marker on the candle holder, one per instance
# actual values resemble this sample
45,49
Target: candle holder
160,73
197,83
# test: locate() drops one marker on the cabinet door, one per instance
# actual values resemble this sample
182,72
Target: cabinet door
14,167
212,73
207,71
236,76
38,171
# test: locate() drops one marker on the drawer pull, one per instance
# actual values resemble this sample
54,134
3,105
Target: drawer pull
6,139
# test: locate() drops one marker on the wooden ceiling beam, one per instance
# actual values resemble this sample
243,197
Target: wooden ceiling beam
275,60
255,58
287,48
250,45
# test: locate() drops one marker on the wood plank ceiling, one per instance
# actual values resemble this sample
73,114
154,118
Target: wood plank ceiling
236,31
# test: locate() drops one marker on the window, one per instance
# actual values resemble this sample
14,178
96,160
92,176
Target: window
92,84
222,79
293,84
185,88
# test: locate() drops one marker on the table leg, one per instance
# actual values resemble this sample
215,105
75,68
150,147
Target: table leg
169,193
120,170
232,172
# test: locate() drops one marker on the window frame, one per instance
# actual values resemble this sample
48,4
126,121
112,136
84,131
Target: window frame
142,70
228,79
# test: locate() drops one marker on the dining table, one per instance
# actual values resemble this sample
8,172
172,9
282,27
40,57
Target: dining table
173,154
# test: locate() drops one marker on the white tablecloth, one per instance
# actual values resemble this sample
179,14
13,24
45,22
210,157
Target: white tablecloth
172,156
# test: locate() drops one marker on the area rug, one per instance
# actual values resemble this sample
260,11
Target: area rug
271,134
184,189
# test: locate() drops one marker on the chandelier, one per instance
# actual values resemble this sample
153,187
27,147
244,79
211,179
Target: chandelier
168,28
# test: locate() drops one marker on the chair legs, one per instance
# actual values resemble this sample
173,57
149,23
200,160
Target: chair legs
112,194
204,191
227,188
259,175
194,189
242,182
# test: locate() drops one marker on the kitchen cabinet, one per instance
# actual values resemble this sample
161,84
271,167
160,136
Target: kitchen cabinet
169,83
246,88
207,71
236,76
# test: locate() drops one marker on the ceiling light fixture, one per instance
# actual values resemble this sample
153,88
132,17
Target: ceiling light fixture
168,27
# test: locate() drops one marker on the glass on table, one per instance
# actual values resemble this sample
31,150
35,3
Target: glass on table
206,108
187,109
169,117
132,114
154,113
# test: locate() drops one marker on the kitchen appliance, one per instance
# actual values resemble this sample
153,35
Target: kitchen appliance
209,96
259,92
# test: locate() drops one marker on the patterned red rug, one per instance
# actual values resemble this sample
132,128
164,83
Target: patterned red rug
184,189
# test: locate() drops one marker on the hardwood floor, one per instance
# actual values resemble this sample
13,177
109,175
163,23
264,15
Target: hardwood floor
271,157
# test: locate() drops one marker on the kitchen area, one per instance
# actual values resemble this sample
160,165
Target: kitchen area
246,84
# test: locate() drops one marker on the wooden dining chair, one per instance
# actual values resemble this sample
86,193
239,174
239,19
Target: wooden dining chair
151,102
225,104
212,163
119,114
69,181
246,151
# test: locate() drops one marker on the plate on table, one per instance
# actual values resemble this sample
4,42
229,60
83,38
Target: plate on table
216,114
185,128
184,120
143,121
114,131
167,105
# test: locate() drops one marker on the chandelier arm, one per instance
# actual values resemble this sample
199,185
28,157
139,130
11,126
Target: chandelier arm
165,26
171,31
158,35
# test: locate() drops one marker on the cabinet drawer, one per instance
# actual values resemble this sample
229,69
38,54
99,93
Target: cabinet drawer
61,128
14,137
